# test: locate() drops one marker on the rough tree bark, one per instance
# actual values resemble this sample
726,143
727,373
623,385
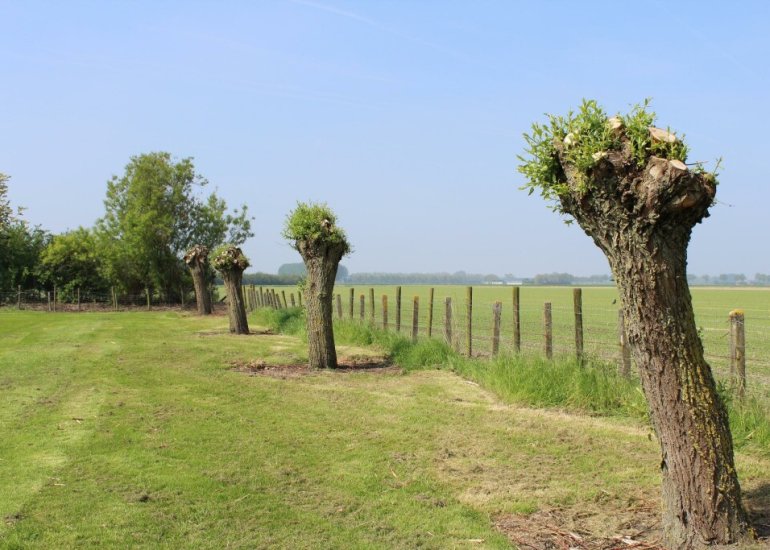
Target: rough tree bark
321,260
231,263
642,218
197,260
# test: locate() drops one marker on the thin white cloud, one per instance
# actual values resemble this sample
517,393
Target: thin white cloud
374,24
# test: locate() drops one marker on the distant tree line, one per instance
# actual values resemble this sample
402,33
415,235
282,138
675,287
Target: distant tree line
458,278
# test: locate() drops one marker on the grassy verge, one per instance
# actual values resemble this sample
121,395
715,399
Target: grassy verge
132,430
594,388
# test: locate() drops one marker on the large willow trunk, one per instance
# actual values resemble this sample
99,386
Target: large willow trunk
642,218
321,261
236,309
197,260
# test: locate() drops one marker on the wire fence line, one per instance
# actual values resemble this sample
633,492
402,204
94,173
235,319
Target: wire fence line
443,312
84,300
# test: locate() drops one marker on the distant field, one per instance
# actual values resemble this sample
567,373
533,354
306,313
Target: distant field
712,306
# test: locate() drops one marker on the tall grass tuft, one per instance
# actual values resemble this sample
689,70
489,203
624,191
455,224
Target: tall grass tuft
285,321
595,388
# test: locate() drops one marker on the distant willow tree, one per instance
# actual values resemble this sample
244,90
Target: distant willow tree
626,184
230,262
312,230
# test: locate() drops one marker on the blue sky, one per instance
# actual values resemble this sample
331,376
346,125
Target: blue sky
404,116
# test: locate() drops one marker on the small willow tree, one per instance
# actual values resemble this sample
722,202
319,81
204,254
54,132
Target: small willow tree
197,259
312,230
627,185
230,262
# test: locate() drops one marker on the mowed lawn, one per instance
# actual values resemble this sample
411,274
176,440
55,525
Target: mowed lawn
132,429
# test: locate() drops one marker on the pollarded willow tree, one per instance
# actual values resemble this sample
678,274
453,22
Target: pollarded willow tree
627,185
312,230
230,262
197,259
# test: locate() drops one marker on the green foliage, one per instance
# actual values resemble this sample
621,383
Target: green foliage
228,257
20,245
6,212
637,124
20,250
153,215
586,137
73,260
314,223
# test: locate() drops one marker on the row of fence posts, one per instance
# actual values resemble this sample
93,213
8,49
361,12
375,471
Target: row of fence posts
256,298
52,297
270,298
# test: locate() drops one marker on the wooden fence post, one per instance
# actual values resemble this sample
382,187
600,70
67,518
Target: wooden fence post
371,306
577,300
114,298
496,313
548,326
415,318
384,312
398,309
352,302
362,307
261,297
78,299
430,313
448,321
625,350
48,295
299,298
339,306
293,303
516,320
18,297
149,303
738,352
285,303
469,321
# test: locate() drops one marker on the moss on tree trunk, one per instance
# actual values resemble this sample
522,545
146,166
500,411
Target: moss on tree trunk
236,309
642,217
197,260
231,263
321,261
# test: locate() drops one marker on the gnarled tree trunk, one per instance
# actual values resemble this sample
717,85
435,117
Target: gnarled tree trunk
642,218
236,309
197,260
321,260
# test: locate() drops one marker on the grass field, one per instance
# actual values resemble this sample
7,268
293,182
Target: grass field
712,306
133,430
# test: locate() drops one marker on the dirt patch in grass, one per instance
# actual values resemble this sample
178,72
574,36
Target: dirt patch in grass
569,528
252,332
374,365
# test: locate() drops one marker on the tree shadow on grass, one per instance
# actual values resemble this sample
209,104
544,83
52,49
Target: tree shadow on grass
757,502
